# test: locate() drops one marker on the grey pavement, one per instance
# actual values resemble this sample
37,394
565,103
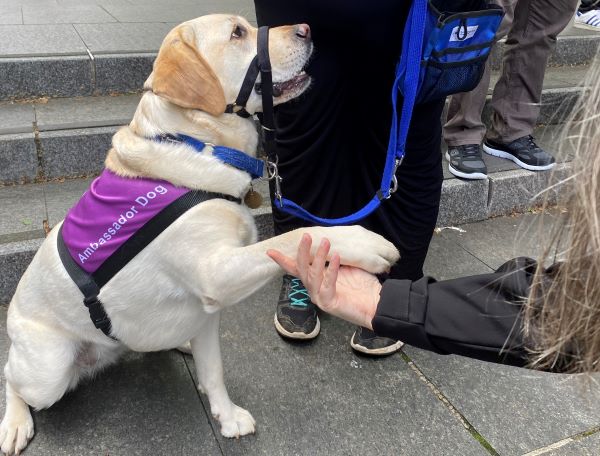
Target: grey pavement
319,398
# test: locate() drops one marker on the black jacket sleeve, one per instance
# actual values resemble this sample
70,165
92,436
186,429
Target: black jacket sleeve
476,316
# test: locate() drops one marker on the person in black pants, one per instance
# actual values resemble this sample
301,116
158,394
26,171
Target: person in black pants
332,142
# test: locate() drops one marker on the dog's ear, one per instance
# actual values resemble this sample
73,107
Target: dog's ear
182,75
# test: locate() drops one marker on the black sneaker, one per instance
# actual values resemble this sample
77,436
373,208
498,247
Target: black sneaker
296,316
523,151
466,161
366,341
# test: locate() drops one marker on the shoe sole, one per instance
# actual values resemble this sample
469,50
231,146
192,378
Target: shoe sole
377,351
586,26
500,153
297,335
457,173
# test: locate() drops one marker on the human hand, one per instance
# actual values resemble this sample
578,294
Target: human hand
343,291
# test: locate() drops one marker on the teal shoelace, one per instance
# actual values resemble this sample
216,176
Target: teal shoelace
298,295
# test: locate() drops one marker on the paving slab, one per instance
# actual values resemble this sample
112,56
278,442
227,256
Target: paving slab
18,158
45,76
61,196
448,259
65,155
23,209
71,113
463,201
16,118
11,15
496,240
519,190
39,40
123,38
145,404
121,73
157,12
14,259
516,410
321,399
65,14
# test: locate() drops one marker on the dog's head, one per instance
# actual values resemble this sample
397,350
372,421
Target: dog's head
202,63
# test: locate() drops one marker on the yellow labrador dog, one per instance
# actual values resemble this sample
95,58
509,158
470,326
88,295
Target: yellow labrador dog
173,290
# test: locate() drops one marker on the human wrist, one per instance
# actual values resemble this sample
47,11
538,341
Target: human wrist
370,306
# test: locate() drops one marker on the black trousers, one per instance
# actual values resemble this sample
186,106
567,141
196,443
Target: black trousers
332,141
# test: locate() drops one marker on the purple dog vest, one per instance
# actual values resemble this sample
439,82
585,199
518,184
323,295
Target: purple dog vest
112,210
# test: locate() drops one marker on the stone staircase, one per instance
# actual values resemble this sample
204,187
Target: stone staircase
66,88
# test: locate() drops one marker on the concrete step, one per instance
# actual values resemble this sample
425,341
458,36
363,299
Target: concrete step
66,56
27,211
46,139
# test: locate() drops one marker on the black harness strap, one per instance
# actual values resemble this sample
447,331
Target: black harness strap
86,285
239,106
90,285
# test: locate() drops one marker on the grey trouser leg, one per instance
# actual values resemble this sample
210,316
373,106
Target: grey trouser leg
533,25
517,95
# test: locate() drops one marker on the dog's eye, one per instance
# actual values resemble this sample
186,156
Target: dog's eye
238,32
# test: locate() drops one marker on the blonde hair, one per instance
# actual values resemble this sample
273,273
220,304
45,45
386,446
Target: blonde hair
562,315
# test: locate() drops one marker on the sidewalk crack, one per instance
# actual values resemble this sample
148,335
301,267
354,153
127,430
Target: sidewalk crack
216,433
453,410
563,442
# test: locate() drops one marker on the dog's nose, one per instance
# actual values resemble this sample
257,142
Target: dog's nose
303,31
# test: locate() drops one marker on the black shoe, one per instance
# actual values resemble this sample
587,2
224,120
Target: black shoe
296,316
466,161
523,151
366,341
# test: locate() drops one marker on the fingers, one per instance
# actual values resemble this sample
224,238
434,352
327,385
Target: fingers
329,282
303,258
315,272
287,264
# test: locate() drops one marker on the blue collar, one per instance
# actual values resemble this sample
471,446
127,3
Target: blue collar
233,157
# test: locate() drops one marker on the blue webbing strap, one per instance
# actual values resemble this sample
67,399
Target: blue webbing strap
411,56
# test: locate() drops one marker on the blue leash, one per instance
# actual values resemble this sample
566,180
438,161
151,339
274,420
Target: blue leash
411,54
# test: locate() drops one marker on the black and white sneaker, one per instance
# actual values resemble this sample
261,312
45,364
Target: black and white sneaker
523,151
466,161
367,342
296,316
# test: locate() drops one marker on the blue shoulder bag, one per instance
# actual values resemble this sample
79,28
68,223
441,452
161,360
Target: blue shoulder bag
444,50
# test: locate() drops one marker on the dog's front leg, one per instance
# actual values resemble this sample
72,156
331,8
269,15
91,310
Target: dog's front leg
231,274
235,421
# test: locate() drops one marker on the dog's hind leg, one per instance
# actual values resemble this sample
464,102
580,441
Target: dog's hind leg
40,369
235,421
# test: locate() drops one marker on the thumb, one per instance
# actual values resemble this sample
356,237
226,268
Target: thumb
287,264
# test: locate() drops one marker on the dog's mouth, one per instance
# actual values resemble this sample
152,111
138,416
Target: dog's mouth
284,87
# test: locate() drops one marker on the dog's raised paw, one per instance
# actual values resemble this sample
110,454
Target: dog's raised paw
241,423
15,432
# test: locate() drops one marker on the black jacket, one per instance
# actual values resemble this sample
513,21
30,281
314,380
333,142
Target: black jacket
476,316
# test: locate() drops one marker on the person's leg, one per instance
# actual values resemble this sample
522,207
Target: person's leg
331,143
464,126
517,94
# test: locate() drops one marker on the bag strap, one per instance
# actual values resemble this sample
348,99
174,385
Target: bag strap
412,49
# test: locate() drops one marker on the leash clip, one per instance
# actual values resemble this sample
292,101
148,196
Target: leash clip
394,186
273,174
